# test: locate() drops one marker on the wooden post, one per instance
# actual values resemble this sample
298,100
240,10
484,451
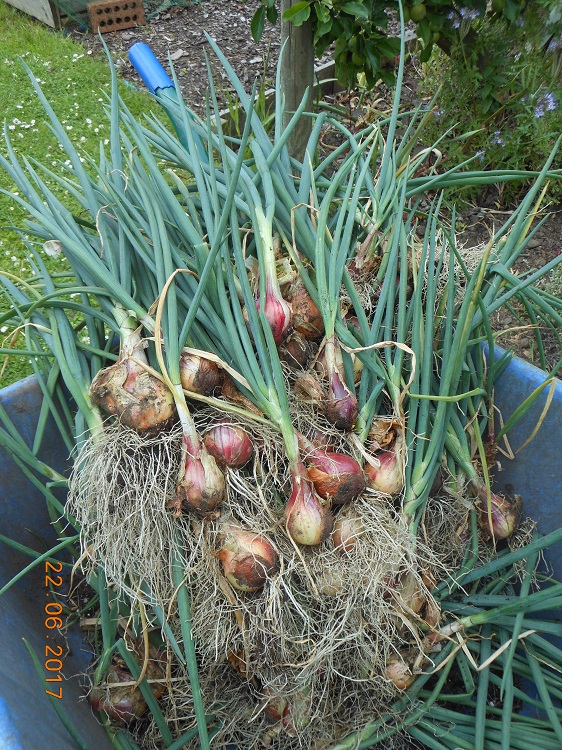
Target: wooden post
297,74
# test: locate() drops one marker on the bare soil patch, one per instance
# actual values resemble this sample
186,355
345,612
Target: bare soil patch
179,33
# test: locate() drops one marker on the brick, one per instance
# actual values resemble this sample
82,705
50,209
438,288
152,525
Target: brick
113,16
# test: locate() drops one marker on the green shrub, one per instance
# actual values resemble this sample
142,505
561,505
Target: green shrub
501,96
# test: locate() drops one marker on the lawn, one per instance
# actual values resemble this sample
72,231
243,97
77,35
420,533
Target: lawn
74,82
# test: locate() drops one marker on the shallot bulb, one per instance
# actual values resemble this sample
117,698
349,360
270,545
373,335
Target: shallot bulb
389,476
293,714
140,400
410,593
199,374
341,406
332,582
307,520
504,512
248,559
398,671
229,444
278,314
123,704
336,476
275,708
352,322
347,530
202,486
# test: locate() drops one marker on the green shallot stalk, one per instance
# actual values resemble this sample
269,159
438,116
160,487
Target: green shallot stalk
308,519
276,310
499,515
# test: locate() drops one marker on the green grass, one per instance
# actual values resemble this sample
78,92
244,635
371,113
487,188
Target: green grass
73,82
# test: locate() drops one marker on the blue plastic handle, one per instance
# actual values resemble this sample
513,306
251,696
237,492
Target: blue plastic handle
147,66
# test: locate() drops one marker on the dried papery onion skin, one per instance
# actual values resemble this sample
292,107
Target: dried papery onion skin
200,375
398,671
307,319
139,399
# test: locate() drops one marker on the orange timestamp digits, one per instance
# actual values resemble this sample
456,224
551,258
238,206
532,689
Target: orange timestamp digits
53,620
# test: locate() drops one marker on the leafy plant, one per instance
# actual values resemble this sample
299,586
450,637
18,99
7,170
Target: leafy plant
499,99
359,29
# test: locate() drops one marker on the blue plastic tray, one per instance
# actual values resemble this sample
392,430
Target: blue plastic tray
27,720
